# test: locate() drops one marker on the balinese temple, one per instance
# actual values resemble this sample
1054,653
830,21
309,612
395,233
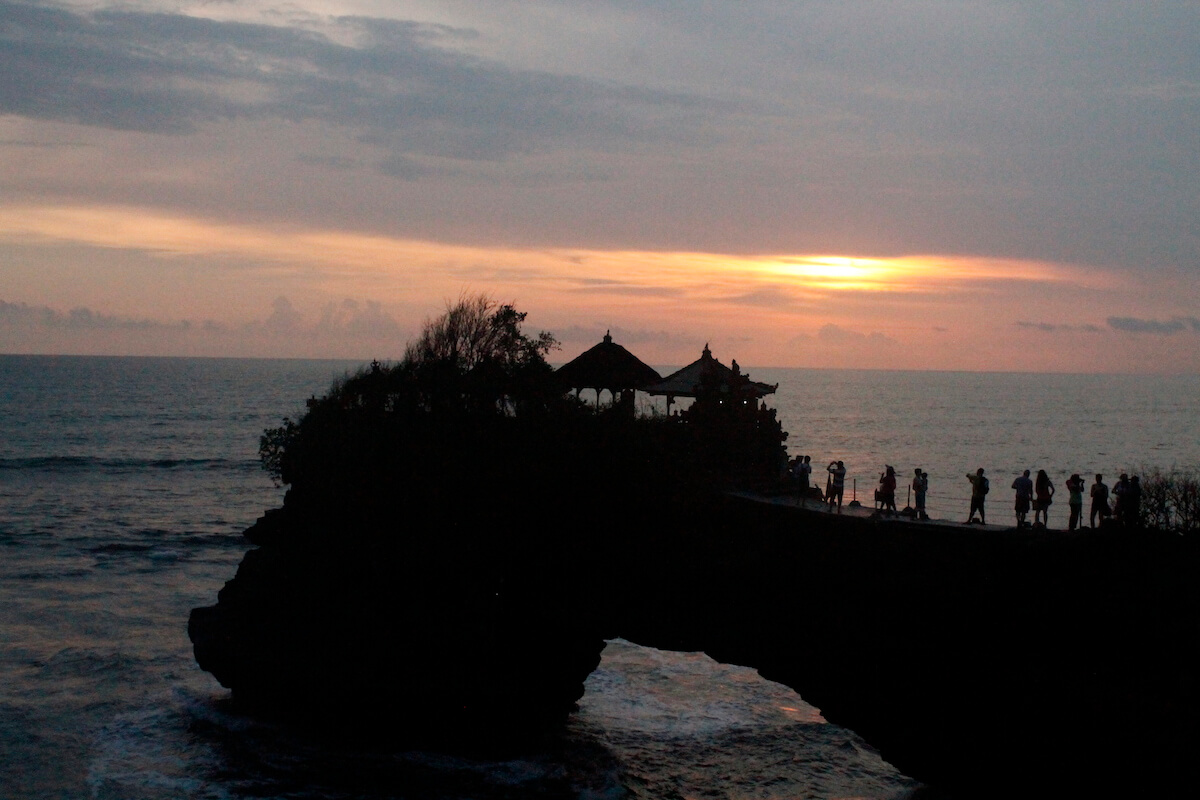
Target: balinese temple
707,377
609,366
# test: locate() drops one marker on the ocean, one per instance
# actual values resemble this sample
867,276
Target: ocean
125,484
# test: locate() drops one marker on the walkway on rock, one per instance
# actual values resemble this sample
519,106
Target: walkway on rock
869,513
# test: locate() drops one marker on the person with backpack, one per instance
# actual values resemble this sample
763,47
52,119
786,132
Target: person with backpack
979,490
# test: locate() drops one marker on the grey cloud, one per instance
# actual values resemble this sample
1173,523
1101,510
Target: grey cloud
1162,328
627,289
168,73
80,318
284,318
349,319
367,320
768,297
1051,327
341,163
837,335
403,167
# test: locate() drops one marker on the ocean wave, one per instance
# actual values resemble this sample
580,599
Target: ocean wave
98,463
186,744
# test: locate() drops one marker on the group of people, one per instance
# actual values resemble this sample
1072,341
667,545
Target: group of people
885,495
800,473
1036,494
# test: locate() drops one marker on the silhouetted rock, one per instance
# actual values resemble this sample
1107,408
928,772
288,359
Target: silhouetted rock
995,663
444,561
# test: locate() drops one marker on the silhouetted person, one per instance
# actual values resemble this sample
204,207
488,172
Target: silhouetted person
1023,488
1133,502
1120,491
887,491
1099,500
1075,501
979,490
837,484
803,471
1043,496
920,485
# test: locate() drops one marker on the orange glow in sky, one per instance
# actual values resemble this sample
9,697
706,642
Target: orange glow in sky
790,309
320,180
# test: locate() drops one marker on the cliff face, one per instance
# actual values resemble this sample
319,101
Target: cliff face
447,644
1005,663
986,661
446,572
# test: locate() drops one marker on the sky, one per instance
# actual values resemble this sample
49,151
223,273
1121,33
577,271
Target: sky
912,184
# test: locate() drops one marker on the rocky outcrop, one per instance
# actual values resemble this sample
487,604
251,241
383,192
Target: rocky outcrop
994,663
447,647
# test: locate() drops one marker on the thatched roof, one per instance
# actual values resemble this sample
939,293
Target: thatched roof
608,365
706,371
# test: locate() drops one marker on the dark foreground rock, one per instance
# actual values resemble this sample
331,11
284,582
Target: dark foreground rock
444,571
987,663
442,648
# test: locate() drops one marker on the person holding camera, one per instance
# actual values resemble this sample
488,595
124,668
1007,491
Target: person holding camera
1075,486
979,490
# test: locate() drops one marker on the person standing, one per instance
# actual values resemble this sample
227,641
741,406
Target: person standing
1119,492
1023,487
979,490
1043,496
920,485
1133,502
887,491
837,484
1075,501
803,471
1099,495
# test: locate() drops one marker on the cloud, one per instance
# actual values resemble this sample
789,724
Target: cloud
284,319
352,318
1051,327
604,287
346,328
765,297
20,315
397,83
1152,326
837,335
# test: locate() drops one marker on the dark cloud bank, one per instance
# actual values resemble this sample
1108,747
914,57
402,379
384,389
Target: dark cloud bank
398,88
349,320
1126,324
